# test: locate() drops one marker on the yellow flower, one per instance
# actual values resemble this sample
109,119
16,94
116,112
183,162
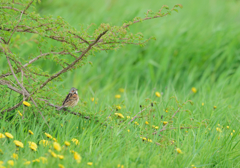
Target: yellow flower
36,160
218,129
75,141
118,165
26,103
233,130
179,150
30,132
15,156
149,140
77,157
118,107
2,135
57,146
54,139
119,115
165,122
144,139
43,159
8,135
227,127
128,130
92,99
146,122
158,94
122,166
18,143
60,166
231,134
202,104
27,163
118,96
19,113
214,107
67,143
1,162
1,152
32,145
193,166
48,135
166,111
156,127
194,90
52,153
121,90
60,157
10,162
136,123
90,163
128,117
61,125
44,142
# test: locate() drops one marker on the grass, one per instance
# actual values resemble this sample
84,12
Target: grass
197,47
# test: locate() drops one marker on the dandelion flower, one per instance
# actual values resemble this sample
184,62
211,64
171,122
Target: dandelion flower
166,111
20,113
227,128
128,130
18,143
27,163
1,162
2,135
144,139
119,115
32,145
77,157
179,150
128,117
193,166
119,107
60,166
194,90
30,132
146,122
231,134
26,103
156,127
52,153
43,159
202,104
8,135
121,90
57,146
158,94
218,129
90,163
15,156
214,107
67,143
48,135
55,140
118,96
44,142
165,122
36,160
233,130
136,123
10,162
60,157
92,99
74,140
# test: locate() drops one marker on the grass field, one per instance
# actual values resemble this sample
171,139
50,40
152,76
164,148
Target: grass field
199,47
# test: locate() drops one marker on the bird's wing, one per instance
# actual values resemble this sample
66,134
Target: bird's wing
67,99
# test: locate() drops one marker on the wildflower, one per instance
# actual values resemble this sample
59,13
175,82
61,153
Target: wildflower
1,152
10,162
90,163
128,130
214,107
194,90
122,166
27,163
146,122
158,94
15,156
165,122
60,157
48,135
227,128
218,129
231,134
32,145
61,125
8,135
144,139
149,140
202,104
67,143
121,90
57,146
156,127
118,165
44,142
179,150
52,153
92,99
43,159
128,117
119,115
193,166
20,113
118,107
30,132
1,162
75,141
117,96
36,160
2,135
77,157
166,111
60,166
18,143
153,126
55,140
233,130
26,103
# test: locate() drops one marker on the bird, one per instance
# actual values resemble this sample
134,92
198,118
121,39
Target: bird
71,99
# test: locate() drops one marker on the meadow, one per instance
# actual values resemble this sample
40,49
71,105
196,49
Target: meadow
172,103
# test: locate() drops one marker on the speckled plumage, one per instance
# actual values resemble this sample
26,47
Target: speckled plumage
71,99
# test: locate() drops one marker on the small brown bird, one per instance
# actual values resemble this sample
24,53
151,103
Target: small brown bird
71,99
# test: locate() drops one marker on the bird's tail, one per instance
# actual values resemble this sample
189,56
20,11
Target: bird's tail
60,108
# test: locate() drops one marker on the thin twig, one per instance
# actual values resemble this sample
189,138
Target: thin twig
138,114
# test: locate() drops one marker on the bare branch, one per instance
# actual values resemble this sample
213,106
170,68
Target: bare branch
4,82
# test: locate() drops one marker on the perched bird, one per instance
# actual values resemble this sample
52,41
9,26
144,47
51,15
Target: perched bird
71,99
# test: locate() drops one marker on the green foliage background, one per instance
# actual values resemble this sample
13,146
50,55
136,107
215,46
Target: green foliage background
197,47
